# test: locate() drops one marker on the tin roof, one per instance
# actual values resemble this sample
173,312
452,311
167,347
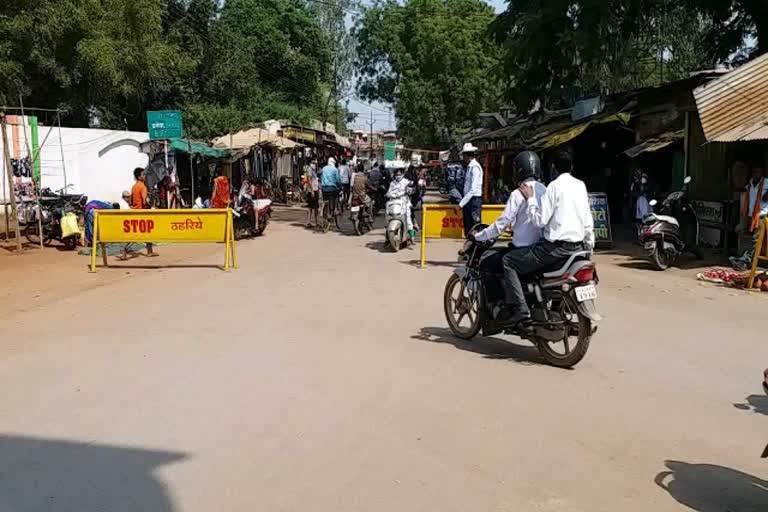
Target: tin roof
735,106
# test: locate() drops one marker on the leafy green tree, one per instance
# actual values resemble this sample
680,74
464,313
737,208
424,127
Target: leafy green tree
433,61
558,50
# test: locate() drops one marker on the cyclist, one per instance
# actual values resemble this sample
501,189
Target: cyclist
330,182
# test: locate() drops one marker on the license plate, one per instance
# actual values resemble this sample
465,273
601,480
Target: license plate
649,246
355,209
588,292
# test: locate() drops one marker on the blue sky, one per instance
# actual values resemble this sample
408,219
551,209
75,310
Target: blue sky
382,120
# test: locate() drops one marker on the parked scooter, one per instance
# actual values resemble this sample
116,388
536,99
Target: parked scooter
663,236
360,216
397,222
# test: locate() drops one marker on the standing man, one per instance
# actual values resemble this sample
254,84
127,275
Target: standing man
139,201
346,179
472,201
754,192
568,227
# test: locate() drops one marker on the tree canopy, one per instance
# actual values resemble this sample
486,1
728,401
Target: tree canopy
225,64
433,61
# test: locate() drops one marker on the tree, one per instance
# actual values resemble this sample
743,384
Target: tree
558,50
433,61
735,21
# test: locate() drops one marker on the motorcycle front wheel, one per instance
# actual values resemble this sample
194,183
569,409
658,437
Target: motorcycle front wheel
394,240
461,304
567,352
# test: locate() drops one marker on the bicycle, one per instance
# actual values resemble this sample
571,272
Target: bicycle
330,208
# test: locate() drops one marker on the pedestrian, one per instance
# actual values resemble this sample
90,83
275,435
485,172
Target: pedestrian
472,200
313,195
220,191
90,209
139,201
330,181
346,179
754,209
125,200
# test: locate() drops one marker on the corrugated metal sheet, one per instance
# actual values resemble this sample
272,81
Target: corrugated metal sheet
655,144
735,106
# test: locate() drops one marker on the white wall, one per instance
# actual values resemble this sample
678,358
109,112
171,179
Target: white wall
98,163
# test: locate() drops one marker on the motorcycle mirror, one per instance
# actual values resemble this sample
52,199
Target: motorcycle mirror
653,202
687,180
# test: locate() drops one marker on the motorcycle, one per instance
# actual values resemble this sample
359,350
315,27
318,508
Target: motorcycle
662,236
251,216
53,210
397,223
360,216
562,303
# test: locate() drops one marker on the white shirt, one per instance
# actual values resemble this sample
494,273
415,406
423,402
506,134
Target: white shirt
753,194
524,233
398,188
564,213
345,174
473,182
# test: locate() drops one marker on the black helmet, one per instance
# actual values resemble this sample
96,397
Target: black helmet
526,165
564,159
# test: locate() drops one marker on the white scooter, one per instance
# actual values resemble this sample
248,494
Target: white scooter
397,222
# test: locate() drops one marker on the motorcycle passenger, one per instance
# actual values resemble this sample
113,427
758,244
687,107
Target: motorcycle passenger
330,182
566,218
399,188
527,168
346,179
472,200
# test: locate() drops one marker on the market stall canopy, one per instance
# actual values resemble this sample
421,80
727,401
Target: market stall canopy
253,137
655,144
566,135
735,106
185,146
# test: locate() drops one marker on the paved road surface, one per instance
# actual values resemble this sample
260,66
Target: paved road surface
320,377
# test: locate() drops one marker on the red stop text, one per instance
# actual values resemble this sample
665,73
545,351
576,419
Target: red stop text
138,226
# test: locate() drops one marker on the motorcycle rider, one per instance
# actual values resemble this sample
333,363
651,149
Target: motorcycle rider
527,169
359,189
399,188
565,216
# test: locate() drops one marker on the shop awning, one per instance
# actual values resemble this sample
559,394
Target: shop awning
253,137
655,144
570,133
184,146
197,148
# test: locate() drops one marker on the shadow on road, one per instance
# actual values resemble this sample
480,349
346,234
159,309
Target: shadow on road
65,476
490,348
754,403
711,488
417,263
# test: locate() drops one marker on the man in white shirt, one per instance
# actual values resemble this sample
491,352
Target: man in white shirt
527,168
472,201
566,219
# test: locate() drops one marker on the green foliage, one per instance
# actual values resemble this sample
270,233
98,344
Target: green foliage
226,64
558,50
433,60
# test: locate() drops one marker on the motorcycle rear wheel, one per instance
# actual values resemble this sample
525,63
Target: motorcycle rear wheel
32,233
571,355
661,259
461,305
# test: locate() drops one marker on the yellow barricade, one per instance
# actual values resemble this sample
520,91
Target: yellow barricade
164,226
761,253
447,221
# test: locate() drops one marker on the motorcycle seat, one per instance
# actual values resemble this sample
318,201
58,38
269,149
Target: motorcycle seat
581,255
660,218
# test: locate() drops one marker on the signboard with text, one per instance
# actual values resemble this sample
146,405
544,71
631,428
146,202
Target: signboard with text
598,203
164,124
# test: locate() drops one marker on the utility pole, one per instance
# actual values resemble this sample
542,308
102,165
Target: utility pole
370,141
9,176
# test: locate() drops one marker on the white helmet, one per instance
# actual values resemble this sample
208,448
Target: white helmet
332,161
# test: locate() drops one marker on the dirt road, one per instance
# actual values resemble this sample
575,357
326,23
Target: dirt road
320,376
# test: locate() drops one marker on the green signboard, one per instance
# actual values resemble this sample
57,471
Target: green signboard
164,124
389,151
